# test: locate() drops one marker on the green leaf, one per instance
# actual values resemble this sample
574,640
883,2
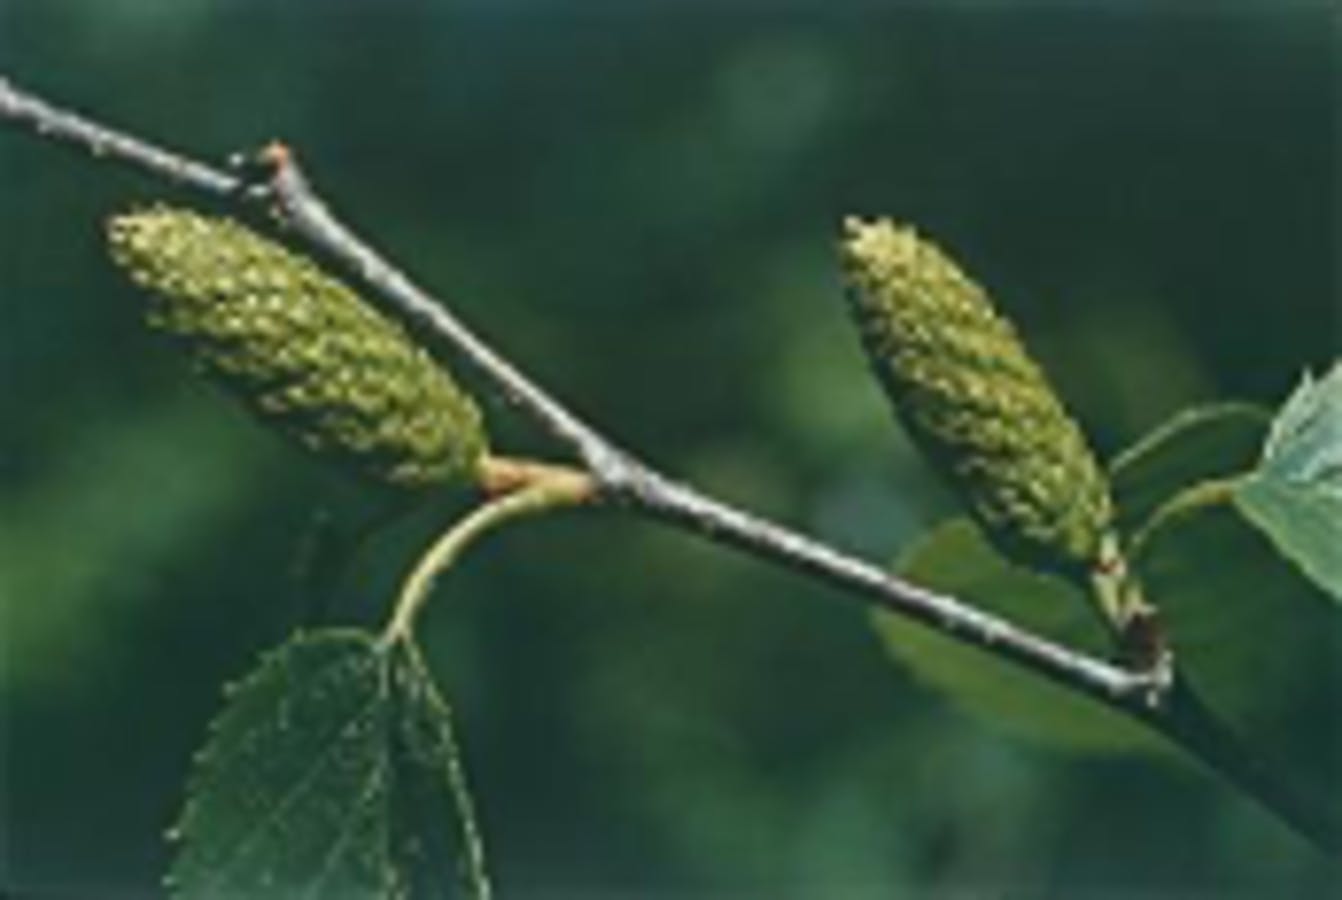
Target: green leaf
1195,445
431,853
1163,491
1295,495
291,791
303,787
957,560
1244,625
1255,637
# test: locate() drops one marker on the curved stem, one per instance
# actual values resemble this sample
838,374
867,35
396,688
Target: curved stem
559,489
1216,491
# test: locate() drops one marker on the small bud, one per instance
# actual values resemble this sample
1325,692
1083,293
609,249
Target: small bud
974,402
300,348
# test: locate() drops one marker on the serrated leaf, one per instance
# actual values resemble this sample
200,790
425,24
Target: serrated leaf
1295,495
301,789
956,559
438,840
1195,445
290,791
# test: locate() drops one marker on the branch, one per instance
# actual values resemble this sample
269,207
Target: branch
622,480
62,126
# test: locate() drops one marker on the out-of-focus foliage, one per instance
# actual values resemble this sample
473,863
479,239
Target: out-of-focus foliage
639,204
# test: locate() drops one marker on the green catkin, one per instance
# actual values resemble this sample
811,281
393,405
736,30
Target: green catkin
975,403
300,348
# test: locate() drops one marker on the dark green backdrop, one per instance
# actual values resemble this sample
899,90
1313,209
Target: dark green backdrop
639,202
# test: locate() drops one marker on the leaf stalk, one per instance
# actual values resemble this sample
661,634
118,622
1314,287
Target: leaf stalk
548,488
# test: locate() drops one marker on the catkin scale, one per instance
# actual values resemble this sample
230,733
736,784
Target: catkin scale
975,403
300,348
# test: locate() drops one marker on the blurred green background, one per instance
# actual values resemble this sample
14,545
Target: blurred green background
638,202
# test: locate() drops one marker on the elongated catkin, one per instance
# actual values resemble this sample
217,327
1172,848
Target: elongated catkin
300,348
973,400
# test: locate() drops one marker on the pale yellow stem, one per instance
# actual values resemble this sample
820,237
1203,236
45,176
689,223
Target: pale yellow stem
551,488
